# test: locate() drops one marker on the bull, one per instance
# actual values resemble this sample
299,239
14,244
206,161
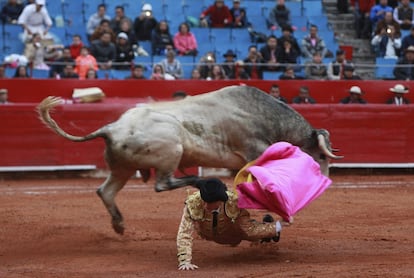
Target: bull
225,129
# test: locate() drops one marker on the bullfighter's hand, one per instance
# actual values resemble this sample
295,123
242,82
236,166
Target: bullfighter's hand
187,266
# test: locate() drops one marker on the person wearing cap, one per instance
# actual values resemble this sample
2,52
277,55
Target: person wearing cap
95,19
355,96
145,23
335,68
35,19
124,52
404,68
239,15
349,72
303,97
4,94
217,15
399,91
213,213
229,63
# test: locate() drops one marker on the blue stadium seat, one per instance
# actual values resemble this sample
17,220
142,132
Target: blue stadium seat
40,74
271,75
313,8
187,63
384,68
146,61
119,74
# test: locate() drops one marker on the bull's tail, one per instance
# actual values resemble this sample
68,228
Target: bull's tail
51,102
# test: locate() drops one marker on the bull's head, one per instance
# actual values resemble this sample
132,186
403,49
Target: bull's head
321,150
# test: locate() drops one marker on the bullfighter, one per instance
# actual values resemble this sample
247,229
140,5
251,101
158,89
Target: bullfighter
213,213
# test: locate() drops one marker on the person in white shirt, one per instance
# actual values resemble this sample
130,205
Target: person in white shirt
35,19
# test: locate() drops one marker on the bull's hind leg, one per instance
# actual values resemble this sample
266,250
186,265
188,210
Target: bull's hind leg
107,192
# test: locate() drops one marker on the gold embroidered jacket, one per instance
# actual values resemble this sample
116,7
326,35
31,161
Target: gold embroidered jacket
233,225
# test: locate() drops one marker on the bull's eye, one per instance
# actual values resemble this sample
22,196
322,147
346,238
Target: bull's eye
322,156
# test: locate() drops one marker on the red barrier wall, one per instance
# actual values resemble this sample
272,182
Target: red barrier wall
364,133
34,90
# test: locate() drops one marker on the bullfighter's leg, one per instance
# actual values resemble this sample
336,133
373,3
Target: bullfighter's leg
168,182
107,192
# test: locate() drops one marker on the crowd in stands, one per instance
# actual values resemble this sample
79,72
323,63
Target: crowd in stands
113,42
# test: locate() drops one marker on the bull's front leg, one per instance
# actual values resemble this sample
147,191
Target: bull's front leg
107,192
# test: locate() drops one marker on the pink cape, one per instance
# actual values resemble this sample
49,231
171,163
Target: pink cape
285,180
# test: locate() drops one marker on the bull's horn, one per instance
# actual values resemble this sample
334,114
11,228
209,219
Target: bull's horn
335,150
324,148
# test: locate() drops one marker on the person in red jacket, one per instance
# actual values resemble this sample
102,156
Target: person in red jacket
361,9
217,15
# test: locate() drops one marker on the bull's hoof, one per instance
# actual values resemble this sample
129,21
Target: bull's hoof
118,228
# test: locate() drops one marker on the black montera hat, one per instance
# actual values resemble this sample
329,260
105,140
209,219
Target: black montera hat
212,190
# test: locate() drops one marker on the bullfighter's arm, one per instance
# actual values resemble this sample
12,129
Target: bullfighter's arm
185,242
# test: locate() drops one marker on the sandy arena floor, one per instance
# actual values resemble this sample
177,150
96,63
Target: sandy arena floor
362,226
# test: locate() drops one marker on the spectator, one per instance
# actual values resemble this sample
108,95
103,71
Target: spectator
84,62
115,23
275,92
287,54
69,72
399,91
178,95
172,66
158,73
59,65
103,27
217,73
355,96
239,72
161,38
137,73
4,96
404,15
21,72
387,22
205,65
404,68
407,41
184,41
313,43
254,63
303,97
76,46
216,15
145,23
36,52
195,74
91,74
229,63
287,35
270,54
95,20
349,72
315,69
11,11
279,16
336,67
125,26
104,51
362,9
378,11
124,52
35,19
387,43
239,15
289,74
